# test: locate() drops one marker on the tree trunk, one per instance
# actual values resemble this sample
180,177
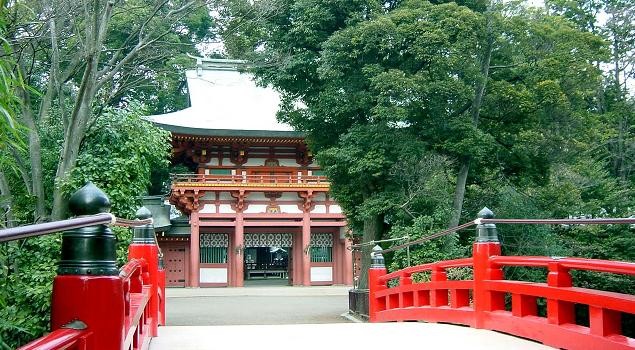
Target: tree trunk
372,232
37,179
479,92
78,121
73,138
7,203
459,191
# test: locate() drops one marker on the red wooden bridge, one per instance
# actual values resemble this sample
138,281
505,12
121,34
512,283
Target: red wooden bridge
97,306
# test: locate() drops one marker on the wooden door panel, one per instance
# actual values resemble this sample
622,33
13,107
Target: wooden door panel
174,259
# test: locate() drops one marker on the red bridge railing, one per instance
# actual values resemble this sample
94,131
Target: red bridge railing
480,302
95,305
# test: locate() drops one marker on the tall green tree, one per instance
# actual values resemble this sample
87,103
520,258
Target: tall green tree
473,83
84,55
119,152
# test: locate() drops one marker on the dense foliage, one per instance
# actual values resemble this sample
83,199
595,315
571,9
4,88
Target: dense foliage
420,112
71,71
424,112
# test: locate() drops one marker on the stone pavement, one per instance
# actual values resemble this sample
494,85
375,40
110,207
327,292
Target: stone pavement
406,335
255,305
281,318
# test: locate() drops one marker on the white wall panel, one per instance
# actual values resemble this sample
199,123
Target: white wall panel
335,209
213,275
225,209
226,196
208,208
289,196
290,209
288,162
319,197
257,196
319,209
255,162
322,274
213,162
256,208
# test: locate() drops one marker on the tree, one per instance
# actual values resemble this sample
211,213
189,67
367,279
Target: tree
423,73
119,152
89,54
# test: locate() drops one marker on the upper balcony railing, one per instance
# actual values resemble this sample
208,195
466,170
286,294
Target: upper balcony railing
250,180
95,305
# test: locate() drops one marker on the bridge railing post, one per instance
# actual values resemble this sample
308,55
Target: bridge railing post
485,246
377,269
143,246
87,287
161,291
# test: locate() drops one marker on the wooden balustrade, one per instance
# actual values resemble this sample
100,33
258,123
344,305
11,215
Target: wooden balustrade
95,306
483,301
250,179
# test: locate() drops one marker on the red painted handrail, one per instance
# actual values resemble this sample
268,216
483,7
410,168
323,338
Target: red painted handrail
480,302
251,179
63,338
137,295
137,318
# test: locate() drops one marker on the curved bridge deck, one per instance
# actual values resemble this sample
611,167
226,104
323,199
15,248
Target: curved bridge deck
413,335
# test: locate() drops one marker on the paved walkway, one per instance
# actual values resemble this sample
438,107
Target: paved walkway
264,305
281,318
406,335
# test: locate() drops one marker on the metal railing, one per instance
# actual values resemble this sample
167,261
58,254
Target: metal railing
36,230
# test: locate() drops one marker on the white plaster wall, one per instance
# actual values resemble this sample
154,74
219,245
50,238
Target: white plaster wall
322,274
213,162
335,209
257,196
226,196
255,162
208,208
290,209
317,197
225,209
289,196
213,275
319,209
288,162
256,208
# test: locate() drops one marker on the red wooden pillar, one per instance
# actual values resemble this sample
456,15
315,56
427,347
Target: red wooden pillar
306,249
559,312
297,258
194,250
486,245
144,246
238,251
377,269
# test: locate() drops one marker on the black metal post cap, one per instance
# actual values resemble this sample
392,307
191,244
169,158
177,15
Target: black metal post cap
486,232
143,234
485,213
89,200
377,258
89,250
143,213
